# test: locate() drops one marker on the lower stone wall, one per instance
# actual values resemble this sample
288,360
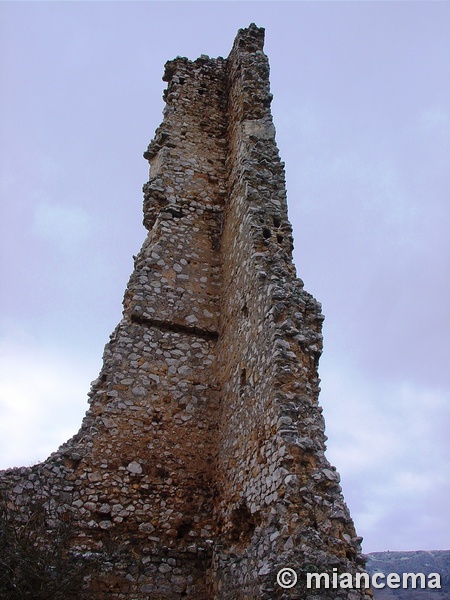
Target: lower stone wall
131,496
43,542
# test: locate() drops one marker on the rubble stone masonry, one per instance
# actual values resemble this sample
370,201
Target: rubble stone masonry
199,469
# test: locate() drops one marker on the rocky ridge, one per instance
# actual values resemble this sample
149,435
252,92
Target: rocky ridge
437,561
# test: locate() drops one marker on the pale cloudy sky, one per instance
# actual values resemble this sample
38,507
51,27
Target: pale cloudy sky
362,111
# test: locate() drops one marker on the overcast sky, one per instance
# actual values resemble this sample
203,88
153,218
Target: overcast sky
362,111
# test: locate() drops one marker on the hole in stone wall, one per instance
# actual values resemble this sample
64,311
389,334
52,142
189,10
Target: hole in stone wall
276,221
184,529
279,238
163,472
175,212
243,379
243,524
245,310
266,233
105,517
71,463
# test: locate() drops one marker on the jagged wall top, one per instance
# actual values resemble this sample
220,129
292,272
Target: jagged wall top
250,39
248,43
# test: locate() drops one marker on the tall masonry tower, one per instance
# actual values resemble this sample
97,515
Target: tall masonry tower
199,469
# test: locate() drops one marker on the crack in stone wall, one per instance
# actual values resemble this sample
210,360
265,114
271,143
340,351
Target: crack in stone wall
199,469
178,328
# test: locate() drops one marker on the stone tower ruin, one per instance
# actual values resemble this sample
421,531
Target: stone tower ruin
199,469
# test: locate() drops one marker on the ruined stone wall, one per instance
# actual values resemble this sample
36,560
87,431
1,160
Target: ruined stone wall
279,497
199,469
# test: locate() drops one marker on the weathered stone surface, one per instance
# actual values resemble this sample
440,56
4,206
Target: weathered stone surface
199,469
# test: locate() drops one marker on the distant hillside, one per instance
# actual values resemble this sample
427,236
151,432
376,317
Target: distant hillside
411,562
